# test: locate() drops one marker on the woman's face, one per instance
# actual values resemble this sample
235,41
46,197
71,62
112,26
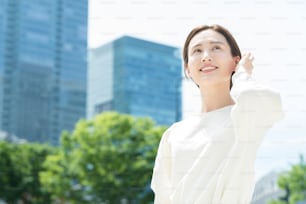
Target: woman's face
210,61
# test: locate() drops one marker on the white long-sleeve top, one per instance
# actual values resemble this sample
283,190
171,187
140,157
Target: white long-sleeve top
209,158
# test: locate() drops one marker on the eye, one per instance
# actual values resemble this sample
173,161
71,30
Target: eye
216,47
197,50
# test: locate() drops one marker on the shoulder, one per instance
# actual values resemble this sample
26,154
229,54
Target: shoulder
181,128
185,123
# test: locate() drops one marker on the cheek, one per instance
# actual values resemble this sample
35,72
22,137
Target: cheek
191,65
231,66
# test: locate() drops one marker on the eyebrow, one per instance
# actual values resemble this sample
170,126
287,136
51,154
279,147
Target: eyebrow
210,42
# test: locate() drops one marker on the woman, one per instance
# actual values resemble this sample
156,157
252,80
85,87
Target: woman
209,158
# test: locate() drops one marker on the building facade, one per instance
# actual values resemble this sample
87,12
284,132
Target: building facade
137,77
43,66
266,189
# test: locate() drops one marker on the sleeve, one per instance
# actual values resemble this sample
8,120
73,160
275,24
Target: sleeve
256,109
255,103
161,184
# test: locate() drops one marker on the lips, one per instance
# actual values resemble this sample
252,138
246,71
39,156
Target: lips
208,68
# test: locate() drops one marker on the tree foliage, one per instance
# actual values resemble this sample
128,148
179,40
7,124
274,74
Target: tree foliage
293,182
105,160
20,165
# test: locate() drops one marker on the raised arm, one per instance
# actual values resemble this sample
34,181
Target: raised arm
255,102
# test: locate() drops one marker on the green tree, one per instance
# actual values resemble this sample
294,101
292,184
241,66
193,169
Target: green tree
105,159
293,182
20,165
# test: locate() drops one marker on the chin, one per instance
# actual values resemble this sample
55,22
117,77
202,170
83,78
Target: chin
214,83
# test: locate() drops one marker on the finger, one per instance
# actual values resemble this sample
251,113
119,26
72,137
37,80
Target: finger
247,55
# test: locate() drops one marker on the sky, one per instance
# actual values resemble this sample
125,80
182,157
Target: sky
273,31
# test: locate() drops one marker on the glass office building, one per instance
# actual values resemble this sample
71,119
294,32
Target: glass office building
137,77
43,55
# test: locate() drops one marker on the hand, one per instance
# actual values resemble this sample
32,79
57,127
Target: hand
246,63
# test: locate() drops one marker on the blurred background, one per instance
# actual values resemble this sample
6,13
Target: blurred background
88,87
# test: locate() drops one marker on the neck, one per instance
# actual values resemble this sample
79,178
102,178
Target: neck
215,97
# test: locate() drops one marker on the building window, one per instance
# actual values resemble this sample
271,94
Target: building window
102,107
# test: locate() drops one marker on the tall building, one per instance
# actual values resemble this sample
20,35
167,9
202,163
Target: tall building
137,77
266,189
43,66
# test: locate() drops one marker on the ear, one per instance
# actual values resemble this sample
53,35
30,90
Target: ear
187,71
236,60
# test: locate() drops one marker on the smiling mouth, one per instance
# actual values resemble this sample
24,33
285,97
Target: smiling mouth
208,69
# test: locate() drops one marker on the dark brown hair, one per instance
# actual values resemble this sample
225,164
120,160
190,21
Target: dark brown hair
235,50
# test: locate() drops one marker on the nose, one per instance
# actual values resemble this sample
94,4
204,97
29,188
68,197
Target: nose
206,57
